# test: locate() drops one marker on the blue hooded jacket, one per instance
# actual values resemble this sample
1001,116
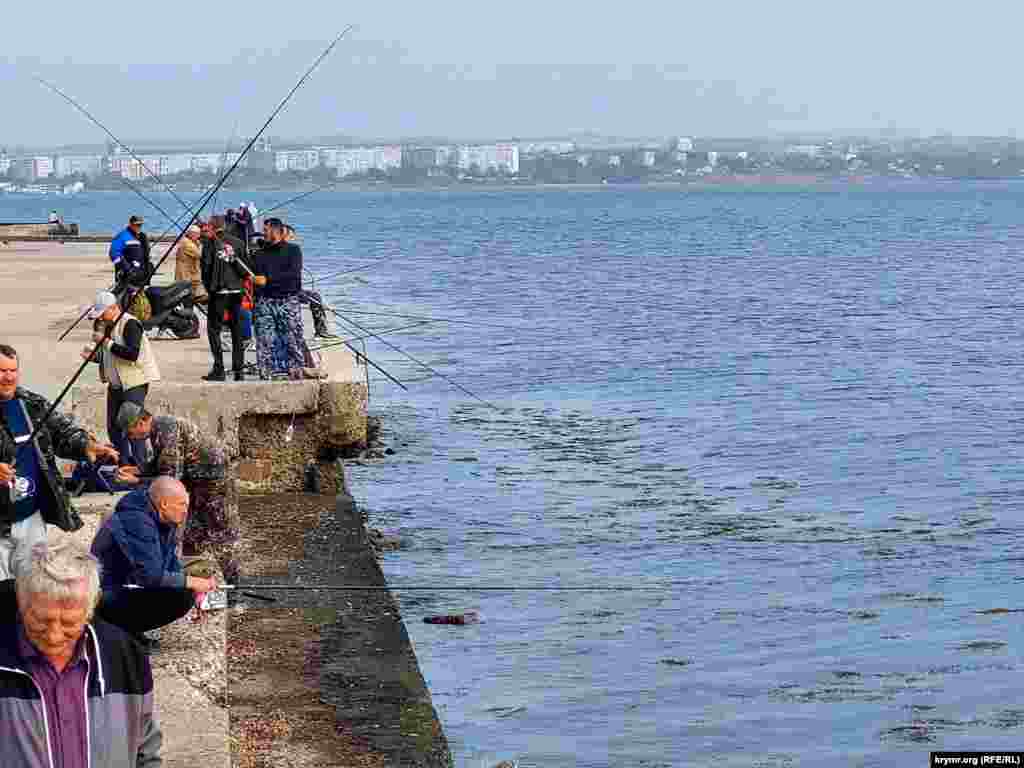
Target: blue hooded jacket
135,547
124,238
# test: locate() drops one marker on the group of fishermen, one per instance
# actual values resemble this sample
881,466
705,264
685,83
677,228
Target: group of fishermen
248,285
74,616
76,684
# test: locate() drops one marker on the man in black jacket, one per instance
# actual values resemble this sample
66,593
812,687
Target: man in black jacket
224,266
32,491
277,317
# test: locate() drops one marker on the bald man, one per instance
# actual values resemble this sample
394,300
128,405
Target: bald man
144,586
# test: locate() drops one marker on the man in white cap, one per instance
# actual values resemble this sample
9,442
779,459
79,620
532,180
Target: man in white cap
126,360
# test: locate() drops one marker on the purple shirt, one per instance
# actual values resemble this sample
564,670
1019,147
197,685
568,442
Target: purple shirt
64,697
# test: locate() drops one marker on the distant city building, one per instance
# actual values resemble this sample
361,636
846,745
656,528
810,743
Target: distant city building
684,144
712,159
212,162
77,165
446,156
486,157
807,150
615,160
296,160
5,162
353,161
647,158
548,147
419,158
32,168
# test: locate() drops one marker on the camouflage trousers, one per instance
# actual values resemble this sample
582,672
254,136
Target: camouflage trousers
212,524
277,324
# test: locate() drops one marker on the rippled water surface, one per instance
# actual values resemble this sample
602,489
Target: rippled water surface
799,407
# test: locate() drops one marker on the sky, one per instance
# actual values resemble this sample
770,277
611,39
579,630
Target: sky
468,70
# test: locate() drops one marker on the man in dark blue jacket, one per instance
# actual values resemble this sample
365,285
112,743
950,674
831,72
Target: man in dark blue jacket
144,586
129,254
277,318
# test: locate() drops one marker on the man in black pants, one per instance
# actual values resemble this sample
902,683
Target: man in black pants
127,363
224,266
144,586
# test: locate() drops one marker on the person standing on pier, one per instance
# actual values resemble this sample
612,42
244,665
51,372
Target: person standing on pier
129,254
224,267
278,313
186,263
127,363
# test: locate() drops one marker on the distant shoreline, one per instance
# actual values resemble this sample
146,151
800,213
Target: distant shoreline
710,181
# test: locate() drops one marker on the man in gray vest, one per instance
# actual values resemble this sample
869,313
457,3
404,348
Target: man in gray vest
126,360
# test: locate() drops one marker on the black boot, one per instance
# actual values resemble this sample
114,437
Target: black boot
216,374
239,375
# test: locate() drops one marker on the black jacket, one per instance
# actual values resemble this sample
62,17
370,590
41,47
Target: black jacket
219,274
281,264
59,437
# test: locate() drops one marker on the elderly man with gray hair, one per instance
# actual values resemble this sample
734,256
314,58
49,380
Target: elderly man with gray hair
74,691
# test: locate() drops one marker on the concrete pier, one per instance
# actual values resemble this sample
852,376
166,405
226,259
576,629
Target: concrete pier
304,673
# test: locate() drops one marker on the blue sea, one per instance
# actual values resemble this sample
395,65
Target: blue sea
791,415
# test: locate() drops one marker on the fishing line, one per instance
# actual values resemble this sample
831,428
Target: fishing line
426,318
458,587
436,372
340,342
205,200
307,193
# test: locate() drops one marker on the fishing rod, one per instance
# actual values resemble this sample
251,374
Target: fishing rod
307,193
206,199
433,370
224,156
107,131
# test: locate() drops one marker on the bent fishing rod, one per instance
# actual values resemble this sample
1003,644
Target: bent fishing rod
114,138
205,200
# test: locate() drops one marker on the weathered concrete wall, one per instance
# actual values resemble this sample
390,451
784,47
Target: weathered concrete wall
253,419
330,672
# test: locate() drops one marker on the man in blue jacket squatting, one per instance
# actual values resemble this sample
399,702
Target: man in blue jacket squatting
144,586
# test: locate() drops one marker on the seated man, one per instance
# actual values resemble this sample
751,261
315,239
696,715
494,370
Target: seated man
172,446
51,651
137,545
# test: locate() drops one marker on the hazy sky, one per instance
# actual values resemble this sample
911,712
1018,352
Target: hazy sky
468,69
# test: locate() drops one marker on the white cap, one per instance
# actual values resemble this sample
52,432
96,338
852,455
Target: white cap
104,299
